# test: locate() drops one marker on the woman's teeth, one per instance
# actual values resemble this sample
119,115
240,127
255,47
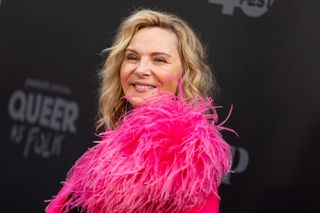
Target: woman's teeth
142,88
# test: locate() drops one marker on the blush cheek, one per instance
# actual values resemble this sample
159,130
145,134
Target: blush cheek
172,87
124,78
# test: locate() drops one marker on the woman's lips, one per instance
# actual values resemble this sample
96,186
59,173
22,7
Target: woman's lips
139,87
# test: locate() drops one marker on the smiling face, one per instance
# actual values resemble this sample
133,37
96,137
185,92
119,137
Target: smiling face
151,64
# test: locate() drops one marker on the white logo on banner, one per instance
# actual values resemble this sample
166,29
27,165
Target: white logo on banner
252,8
42,117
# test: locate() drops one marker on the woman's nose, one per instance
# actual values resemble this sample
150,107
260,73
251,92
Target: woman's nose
143,68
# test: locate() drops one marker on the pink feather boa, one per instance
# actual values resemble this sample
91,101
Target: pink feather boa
164,156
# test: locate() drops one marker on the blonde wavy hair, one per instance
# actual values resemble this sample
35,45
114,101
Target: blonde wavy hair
196,80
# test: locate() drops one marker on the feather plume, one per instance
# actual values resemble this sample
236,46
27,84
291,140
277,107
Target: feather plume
166,155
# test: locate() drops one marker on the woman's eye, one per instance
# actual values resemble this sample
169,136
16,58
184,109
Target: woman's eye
162,60
131,57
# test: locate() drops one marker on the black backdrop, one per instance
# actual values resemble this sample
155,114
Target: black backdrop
265,58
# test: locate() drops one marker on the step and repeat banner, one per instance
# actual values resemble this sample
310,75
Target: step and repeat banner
265,55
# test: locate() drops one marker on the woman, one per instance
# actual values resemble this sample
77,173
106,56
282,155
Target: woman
162,152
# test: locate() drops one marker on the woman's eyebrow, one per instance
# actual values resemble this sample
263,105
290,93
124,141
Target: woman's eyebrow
161,53
153,53
131,50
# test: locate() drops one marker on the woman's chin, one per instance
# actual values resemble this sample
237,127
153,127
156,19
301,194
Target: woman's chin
137,100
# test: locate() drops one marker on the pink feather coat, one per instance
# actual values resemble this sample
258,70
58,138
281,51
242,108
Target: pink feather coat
166,155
